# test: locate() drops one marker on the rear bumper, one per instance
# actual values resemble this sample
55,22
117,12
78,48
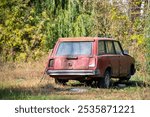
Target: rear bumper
73,72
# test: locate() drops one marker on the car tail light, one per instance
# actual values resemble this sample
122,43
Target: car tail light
92,62
51,63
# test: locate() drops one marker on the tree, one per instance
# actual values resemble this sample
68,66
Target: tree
21,31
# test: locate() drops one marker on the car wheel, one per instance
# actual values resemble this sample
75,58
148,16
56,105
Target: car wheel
60,81
104,82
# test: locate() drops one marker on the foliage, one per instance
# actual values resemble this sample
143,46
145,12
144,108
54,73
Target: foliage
147,36
21,31
28,28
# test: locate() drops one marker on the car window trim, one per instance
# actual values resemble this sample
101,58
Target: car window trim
121,47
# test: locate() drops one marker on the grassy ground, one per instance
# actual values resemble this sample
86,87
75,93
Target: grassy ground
21,81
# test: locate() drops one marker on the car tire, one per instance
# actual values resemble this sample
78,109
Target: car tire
104,82
60,81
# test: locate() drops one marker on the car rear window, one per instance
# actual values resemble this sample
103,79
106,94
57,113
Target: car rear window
74,48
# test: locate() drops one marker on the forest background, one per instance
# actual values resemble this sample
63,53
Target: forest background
30,28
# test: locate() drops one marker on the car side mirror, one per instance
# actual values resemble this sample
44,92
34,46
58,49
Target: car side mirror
126,52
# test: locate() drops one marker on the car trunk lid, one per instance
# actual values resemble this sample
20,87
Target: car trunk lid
71,62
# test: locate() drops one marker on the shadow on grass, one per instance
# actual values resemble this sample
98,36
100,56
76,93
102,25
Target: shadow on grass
118,84
131,84
9,93
49,92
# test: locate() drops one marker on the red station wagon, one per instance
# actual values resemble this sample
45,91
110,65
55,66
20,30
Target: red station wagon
89,59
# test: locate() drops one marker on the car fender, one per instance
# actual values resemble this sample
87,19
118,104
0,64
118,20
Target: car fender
103,64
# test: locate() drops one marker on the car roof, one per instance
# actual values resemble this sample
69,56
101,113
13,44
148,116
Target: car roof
84,38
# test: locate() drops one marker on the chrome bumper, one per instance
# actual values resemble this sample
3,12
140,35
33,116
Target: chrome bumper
73,72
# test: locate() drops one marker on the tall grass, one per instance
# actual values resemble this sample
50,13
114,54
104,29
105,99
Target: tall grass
21,81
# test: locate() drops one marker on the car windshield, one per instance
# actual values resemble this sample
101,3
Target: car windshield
74,48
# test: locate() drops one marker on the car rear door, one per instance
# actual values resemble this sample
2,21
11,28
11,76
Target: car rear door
113,57
123,59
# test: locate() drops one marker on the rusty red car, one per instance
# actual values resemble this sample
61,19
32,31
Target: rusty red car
89,59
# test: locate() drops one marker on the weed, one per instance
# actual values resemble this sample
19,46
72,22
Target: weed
21,81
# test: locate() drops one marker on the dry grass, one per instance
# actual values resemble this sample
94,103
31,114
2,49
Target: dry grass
21,81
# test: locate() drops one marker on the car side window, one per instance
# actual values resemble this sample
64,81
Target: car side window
117,48
101,48
109,47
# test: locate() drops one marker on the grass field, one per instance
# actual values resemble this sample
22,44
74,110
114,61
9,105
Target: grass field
22,81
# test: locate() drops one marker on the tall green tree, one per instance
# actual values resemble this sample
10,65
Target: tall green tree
28,28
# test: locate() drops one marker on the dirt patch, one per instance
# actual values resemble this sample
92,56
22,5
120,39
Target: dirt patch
78,90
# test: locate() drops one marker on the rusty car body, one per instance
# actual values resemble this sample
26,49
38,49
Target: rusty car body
89,59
